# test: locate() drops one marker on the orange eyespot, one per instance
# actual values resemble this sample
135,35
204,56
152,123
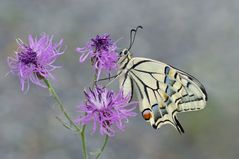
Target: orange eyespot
147,114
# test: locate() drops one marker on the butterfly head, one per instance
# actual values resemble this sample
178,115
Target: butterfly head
124,57
125,53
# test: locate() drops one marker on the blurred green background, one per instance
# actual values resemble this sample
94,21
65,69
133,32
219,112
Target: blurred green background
199,37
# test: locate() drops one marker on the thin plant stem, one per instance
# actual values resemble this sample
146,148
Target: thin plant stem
60,103
103,146
83,142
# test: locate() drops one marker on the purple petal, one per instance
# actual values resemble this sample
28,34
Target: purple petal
83,57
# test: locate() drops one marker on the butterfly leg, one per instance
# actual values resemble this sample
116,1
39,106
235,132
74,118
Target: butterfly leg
114,78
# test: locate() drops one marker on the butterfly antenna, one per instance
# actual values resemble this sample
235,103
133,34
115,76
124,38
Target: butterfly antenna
132,35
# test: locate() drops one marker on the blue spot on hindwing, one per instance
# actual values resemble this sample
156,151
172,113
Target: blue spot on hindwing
166,70
155,109
168,81
170,91
164,111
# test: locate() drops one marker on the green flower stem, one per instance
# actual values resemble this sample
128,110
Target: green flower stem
56,97
103,146
83,142
60,103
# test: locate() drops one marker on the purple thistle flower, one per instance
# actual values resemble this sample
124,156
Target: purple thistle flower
102,51
34,61
105,108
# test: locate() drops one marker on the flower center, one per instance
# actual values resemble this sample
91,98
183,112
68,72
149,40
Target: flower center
101,43
28,56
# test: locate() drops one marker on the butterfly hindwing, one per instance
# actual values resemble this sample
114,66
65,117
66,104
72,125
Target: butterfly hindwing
196,96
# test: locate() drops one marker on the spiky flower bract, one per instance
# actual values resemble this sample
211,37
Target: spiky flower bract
34,61
102,51
106,109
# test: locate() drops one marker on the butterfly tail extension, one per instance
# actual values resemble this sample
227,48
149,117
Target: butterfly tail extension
178,126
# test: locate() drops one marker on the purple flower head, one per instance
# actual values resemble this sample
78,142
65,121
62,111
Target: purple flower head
34,61
101,43
105,108
102,51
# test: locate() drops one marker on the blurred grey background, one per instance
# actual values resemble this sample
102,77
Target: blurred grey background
199,37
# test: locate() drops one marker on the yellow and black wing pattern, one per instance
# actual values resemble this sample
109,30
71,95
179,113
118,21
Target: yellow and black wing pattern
163,91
